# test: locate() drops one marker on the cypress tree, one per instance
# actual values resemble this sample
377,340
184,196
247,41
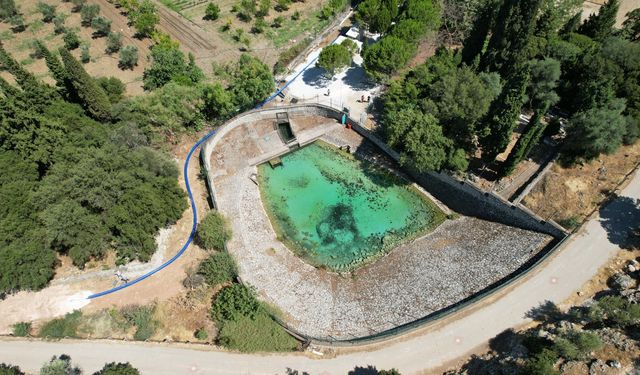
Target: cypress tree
510,38
529,138
599,26
503,115
475,41
37,92
572,25
91,96
7,88
56,68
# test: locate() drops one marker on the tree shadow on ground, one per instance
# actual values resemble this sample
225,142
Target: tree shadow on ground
316,77
620,217
357,78
549,312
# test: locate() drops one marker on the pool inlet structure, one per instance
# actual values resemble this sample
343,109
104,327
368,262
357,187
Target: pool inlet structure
348,247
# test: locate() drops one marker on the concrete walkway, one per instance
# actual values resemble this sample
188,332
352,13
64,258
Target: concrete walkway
556,280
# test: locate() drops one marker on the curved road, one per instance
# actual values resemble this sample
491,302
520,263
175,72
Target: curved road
556,280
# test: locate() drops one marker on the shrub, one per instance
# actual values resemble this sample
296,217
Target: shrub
213,232
71,40
574,345
218,268
60,365
287,56
142,318
48,11
58,23
233,302
88,12
114,42
101,25
113,87
118,369
128,57
282,5
252,335
85,57
259,26
212,12
10,370
21,329
277,22
77,5
17,23
201,334
295,16
62,327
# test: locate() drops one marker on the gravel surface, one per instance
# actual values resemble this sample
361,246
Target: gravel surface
461,257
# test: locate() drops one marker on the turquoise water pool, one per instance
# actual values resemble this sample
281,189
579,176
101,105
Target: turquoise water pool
338,211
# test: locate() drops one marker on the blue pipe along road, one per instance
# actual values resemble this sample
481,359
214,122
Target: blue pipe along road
193,203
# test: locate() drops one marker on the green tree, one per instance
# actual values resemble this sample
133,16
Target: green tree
576,345
71,40
419,139
614,311
88,12
218,268
572,25
218,102
59,23
55,68
213,232
48,11
503,116
92,97
26,265
145,18
376,15
528,139
246,10
386,56
631,26
600,25
514,25
168,63
553,15
212,12
17,23
60,365
409,30
128,57
85,57
113,87
596,131
114,42
282,5
251,82
278,22
77,5
333,58
8,9
101,25
545,75
263,8
118,369
428,12
10,370
234,302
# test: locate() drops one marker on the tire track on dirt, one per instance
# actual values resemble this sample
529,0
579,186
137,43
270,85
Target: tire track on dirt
190,35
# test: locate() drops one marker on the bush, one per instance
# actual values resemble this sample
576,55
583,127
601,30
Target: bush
21,329
85,57
212,12
71,40
128,57
282,5
118,369
278,21
60,365
114,42
213,232
77,5
113,87
219,268
10,370
17,23
295,16
253,335
233,302
201,334
62,327
58,23
48,11
575,345
88,12
259,26
287,56
101,25
142,318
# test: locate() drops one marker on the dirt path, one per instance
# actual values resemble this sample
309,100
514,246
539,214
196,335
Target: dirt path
192,37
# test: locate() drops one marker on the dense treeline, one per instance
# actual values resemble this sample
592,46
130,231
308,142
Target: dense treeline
401,28
81,175
520,56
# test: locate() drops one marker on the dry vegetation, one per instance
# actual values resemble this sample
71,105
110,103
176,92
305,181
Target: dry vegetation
569,195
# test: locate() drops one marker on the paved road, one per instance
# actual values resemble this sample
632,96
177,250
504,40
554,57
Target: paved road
558,279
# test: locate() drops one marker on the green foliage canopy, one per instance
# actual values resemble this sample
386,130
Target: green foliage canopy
334,57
